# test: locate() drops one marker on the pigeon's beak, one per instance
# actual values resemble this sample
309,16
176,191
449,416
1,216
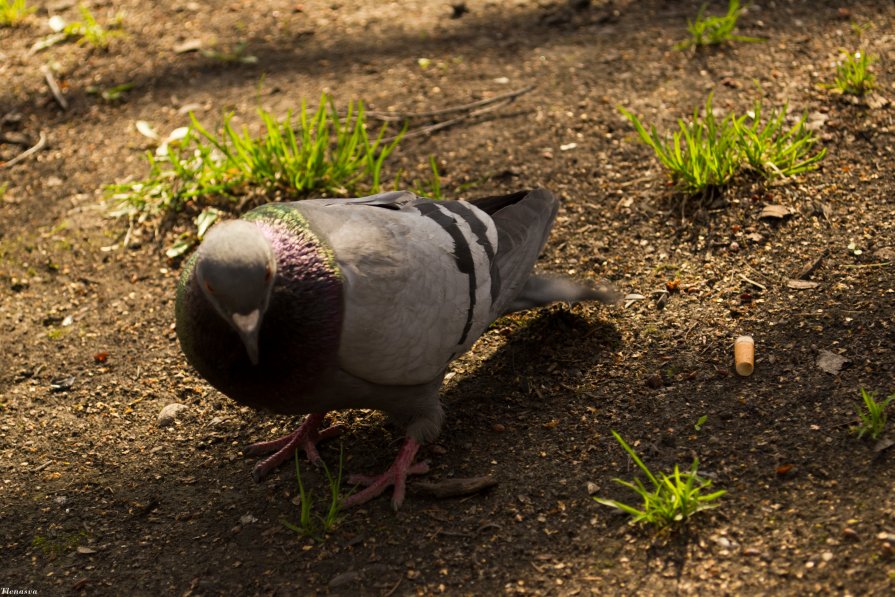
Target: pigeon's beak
248,327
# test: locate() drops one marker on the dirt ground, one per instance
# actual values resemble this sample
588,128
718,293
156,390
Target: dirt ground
97,499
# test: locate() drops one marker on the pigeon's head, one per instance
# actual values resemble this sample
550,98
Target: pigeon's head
236,269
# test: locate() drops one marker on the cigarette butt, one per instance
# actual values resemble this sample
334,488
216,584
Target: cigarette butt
744,355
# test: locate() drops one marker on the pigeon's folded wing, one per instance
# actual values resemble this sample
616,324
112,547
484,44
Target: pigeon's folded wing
417,282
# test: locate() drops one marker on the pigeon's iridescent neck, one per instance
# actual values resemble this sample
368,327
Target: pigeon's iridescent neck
294,244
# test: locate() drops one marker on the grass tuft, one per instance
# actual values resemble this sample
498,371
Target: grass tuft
13,12
872,417
708,31
110,94
773,150
311,152
89,31
705,154
311,524
672,499
701,155
430,187
853,74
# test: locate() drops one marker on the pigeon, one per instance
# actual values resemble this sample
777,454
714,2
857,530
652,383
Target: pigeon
311,306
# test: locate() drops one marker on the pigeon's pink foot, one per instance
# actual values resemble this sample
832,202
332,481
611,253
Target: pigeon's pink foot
395,475
305,437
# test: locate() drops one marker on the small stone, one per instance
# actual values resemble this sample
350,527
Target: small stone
170,413
498,427
850,533
734,247
592,488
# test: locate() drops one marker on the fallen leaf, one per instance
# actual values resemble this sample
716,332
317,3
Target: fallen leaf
61,384
145,129
883,443
876,101
784,469
177,134
101,357
190,45
630,299
801,284
775,211
830,361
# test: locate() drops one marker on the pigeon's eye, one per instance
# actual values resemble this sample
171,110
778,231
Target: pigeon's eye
267,274
208,286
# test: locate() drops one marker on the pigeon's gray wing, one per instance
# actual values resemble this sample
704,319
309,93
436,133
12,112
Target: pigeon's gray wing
417,282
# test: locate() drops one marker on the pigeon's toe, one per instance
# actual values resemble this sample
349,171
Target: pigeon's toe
305,437
395,476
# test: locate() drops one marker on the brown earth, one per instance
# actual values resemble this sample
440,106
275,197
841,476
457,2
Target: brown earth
97,499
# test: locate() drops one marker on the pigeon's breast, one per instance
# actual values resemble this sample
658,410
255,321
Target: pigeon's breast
299,334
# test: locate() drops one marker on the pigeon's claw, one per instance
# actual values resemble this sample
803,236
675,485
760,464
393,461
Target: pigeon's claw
305,437
396,476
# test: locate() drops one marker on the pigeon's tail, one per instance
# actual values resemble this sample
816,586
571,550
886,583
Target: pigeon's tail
543,290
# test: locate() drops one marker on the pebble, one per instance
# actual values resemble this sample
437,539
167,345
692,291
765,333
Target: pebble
170,413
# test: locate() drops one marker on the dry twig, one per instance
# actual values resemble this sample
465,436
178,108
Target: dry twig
41,143
467,112
54,86
402,116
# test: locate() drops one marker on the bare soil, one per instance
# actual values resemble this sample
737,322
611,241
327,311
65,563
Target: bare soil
97,499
